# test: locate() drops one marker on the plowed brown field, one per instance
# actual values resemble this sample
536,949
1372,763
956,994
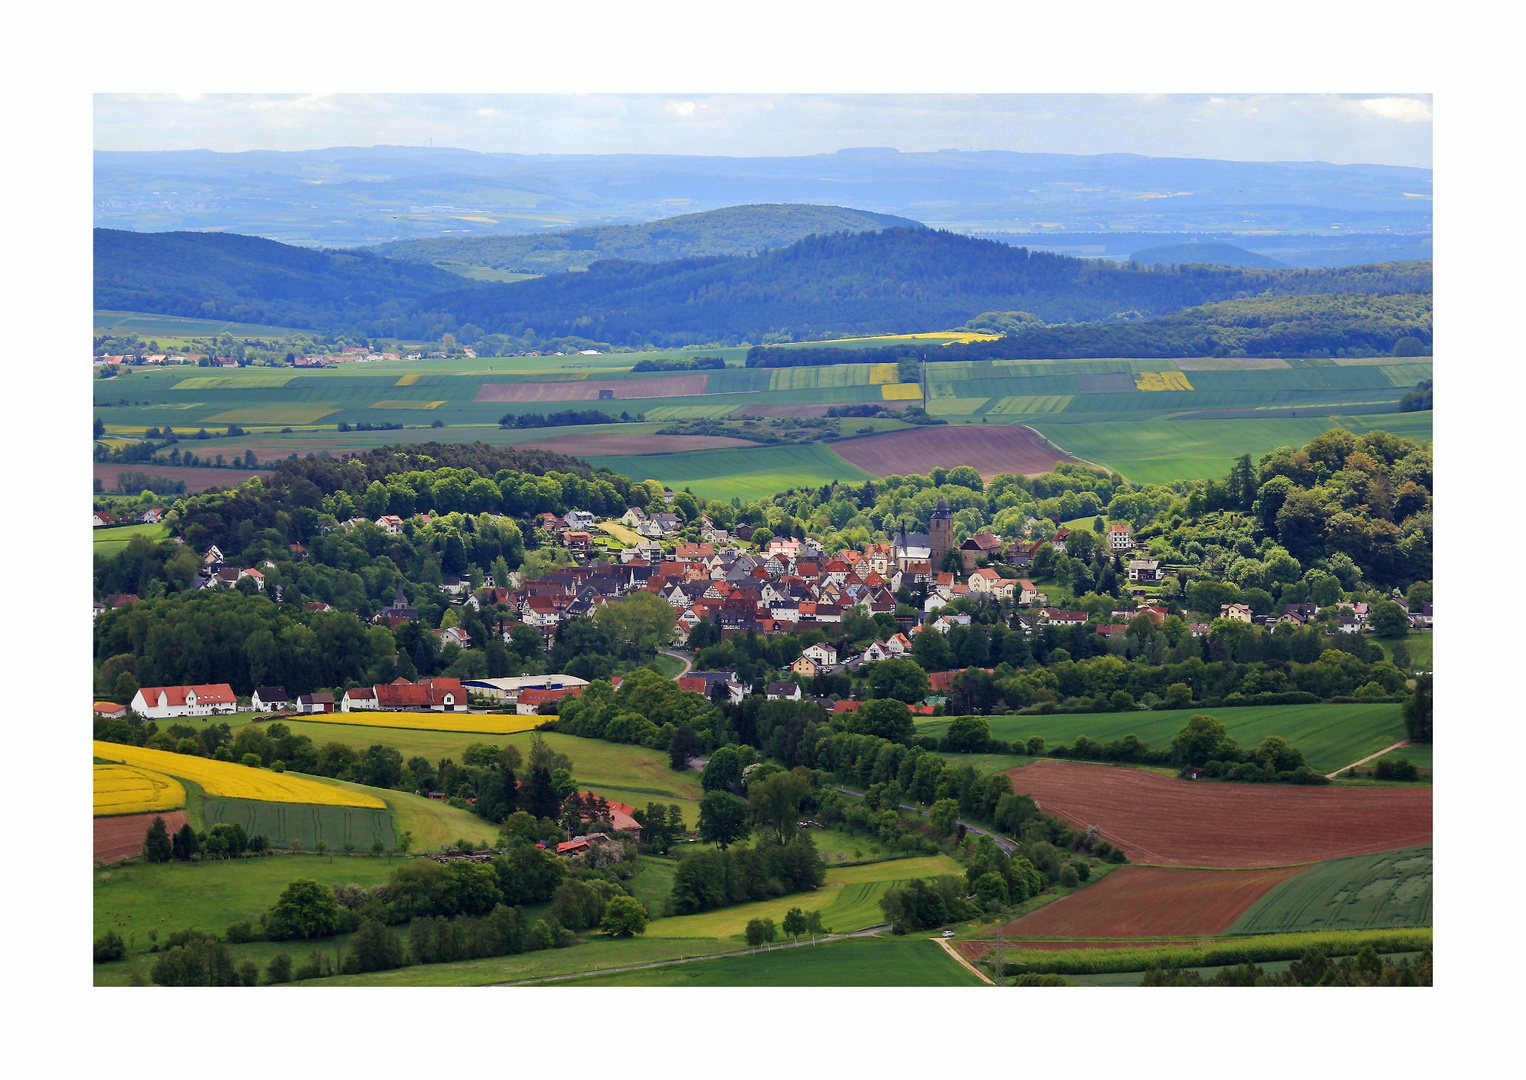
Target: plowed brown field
1163,820
195,479
122,837
615,443
1151,901
987,448
588,389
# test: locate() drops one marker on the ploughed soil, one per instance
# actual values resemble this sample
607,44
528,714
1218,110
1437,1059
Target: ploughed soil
612,443
1149,901
659,386
122,837
987,448
1168,821
195,479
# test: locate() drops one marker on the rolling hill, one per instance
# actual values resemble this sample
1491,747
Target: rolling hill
732,230
1207,254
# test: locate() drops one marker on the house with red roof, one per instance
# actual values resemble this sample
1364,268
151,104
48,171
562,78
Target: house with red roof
532,700
163,702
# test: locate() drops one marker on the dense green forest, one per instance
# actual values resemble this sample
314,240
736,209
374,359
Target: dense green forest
893,281
247,279
732,230
1319,324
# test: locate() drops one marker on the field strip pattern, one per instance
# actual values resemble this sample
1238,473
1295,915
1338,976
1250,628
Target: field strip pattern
1163,820
1151,902
662,386
124,789
234,781
466,723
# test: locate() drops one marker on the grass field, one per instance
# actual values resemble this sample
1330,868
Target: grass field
745,472
1330,736
341,828
143,896
1419,644
166,328
1368,892
1157,451
849,901
876,961
123,789
225,779
112,539
468,723
1421,756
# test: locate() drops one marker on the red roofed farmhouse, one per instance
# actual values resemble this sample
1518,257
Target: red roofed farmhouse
160,702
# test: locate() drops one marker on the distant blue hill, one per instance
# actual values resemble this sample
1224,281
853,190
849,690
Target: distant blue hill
1210,254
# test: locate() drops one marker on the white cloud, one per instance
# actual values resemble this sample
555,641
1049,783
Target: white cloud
1409,110
680,108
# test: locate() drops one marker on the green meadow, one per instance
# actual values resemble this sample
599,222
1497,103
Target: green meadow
1330,736
1368,892
746,472
876,961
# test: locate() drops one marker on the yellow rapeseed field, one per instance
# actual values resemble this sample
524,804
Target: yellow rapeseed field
1161,380
880,374
123,789
901,392
470,723
407,380
233,781
406,404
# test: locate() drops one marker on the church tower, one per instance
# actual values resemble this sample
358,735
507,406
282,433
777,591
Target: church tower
941,534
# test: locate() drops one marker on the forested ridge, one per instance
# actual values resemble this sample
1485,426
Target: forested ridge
732,230
891,281
1318,324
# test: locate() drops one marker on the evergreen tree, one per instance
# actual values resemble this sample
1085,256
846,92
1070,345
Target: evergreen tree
156,845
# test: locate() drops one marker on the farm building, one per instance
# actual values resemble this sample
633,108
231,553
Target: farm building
269,699
530,702
509,688
162,702
320,702
109,709
437,695
358,699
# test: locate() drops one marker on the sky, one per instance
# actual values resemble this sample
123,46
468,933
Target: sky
1384,129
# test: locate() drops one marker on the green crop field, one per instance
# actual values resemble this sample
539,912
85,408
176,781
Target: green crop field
167,328
848,901
911,961
114,538
1368,892
141,896
1330,736
342,828
747,472
1157,450
432,824
1420,755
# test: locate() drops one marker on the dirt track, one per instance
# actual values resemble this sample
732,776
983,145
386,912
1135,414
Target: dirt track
1166,821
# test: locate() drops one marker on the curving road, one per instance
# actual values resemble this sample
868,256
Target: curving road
688,664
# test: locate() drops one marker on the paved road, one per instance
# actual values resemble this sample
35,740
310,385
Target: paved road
1365,760
868,931
1001,841
687,663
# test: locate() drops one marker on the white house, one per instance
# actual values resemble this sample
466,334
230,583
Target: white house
358,699
162,702
269,699
821,653
390,522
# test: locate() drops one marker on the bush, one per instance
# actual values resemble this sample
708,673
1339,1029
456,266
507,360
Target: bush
1399,768
109,946
279,969
240,933
1070,877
